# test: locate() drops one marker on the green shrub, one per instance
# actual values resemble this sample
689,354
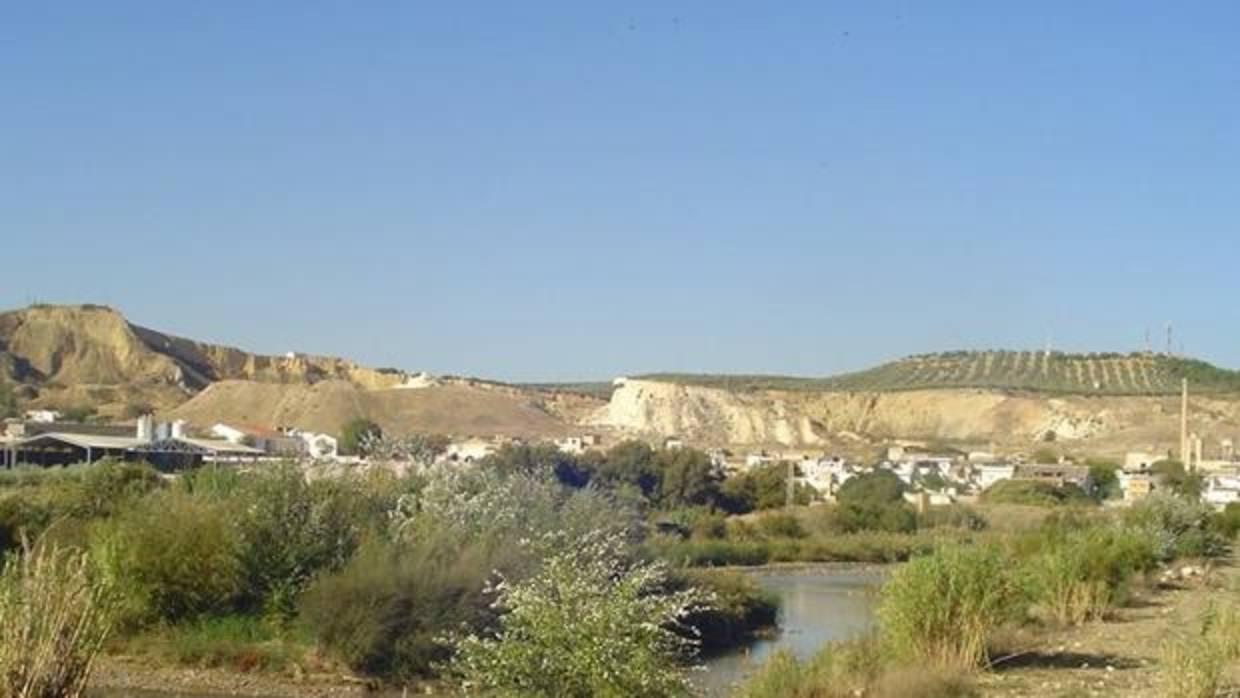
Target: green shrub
1033,493
386,612
290,529
174,557
33,500
1226,523
739,608
855,517
1177,527
1082,574
944,607
780,525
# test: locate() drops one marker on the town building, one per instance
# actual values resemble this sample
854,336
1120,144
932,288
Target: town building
270,441
986,475
1057,474
1221,490
167,453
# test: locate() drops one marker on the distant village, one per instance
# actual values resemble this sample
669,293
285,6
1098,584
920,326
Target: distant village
932,477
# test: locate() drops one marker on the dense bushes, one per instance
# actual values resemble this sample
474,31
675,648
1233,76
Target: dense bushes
174,556
1176,527
589,622
943,608
739,609
1034,493
1081,574
34,499
384,613
873,502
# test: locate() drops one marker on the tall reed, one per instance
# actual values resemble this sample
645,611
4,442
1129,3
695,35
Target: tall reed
54,618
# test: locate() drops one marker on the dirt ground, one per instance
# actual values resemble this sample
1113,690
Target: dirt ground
1118,656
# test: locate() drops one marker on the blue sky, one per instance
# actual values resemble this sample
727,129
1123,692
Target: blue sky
569,190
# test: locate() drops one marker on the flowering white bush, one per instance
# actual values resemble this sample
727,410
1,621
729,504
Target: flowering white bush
589,623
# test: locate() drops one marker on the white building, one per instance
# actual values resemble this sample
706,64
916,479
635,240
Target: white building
826,475
572,445
319,445
270,441
1221,490
756,460
988,474
42,416
469,451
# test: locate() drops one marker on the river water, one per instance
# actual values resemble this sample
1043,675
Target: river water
819,604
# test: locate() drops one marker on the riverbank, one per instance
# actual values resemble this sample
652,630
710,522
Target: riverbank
1119,656
126,677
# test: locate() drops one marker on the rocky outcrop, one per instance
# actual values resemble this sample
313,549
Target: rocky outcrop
707,415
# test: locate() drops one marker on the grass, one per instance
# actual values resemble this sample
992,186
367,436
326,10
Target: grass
1057,372
866,547
54,619
1192,667
850,669
238,643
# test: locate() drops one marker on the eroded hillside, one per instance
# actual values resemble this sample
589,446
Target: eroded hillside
715,416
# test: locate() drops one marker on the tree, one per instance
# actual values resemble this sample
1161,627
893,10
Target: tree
873,501
78,413
538,459
874,487
8,401
589,623
1106,482
354,435
763,487
688,478
631,462
134,410
1045,455
1177,479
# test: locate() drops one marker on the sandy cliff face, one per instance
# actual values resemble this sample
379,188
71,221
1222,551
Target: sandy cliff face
809,419
707,414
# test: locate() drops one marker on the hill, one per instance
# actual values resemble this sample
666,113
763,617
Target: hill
60,356
92,356
460,409
1053,373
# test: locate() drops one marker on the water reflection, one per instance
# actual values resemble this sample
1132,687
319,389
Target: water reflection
818,605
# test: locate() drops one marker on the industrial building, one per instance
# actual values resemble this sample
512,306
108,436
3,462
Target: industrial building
164,447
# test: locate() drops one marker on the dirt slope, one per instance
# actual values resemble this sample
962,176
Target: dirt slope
328,405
